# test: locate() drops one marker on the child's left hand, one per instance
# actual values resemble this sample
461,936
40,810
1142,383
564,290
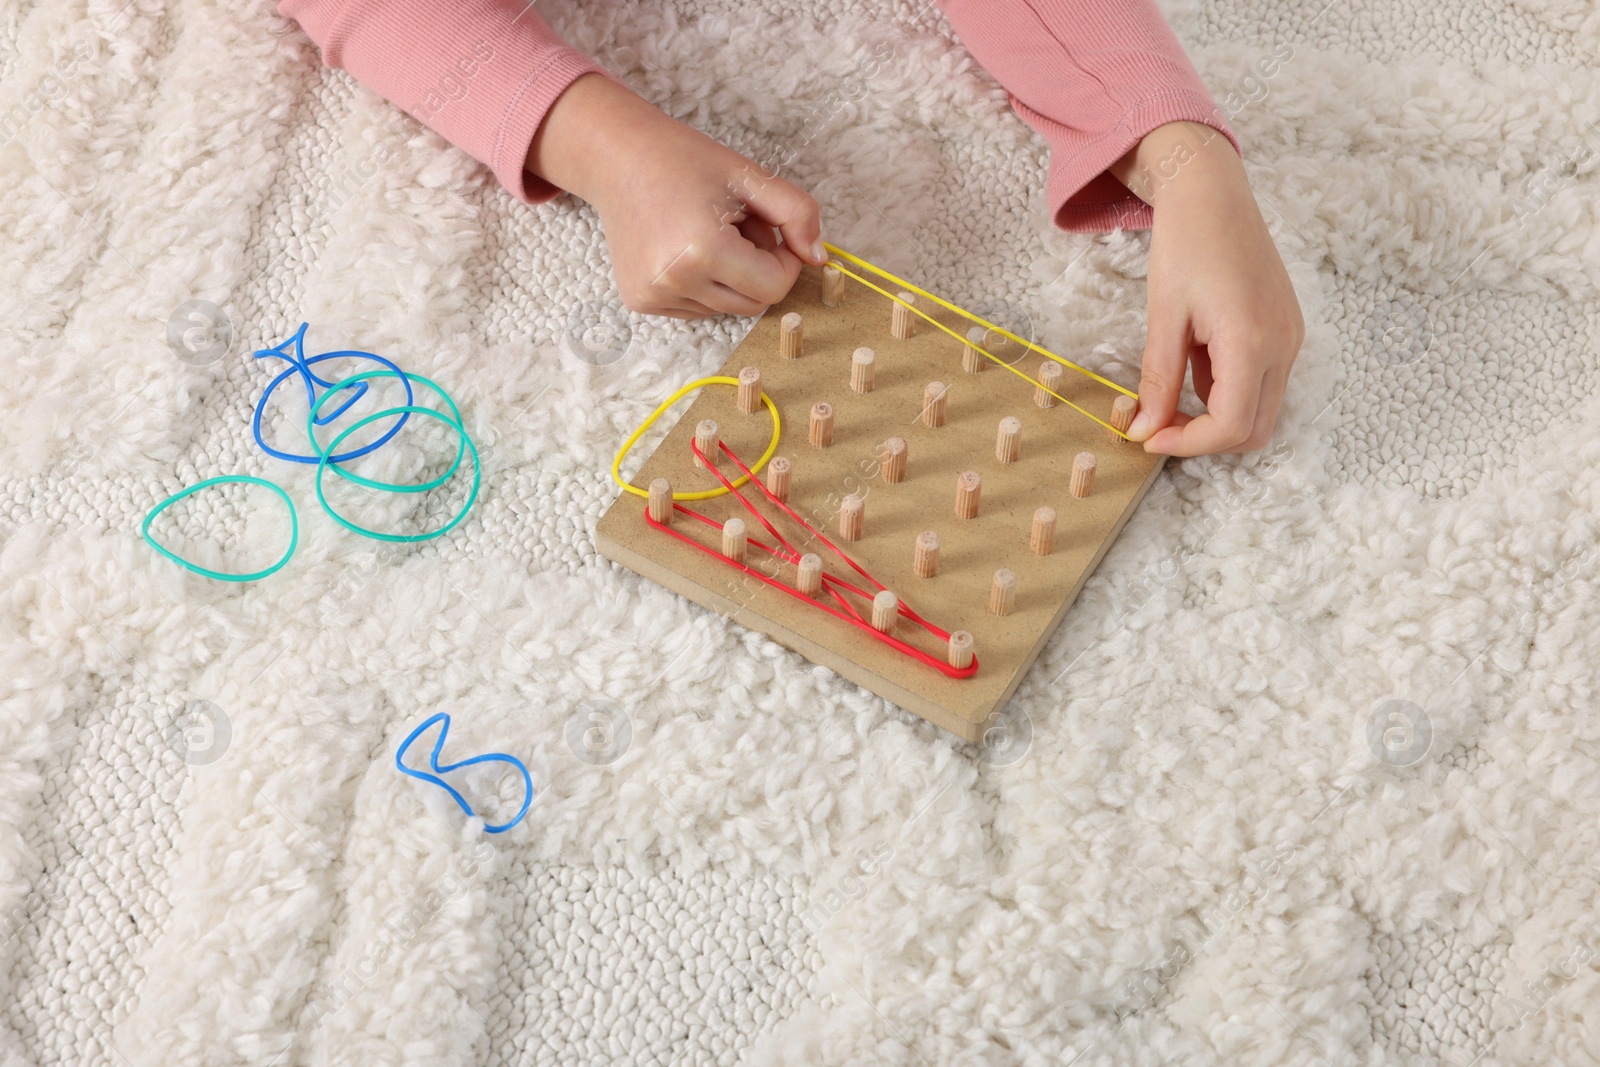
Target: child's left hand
1219,300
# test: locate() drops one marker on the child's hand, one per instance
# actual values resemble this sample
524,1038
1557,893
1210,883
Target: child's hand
1219,298
692,225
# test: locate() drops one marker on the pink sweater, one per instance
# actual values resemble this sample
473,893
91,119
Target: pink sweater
1092,76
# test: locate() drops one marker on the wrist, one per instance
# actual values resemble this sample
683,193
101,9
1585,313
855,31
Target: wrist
1178,158
589,122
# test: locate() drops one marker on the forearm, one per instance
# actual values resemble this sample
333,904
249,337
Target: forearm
481,73
585,132
1174,150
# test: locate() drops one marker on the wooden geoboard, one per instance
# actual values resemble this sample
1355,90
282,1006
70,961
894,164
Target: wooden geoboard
971,550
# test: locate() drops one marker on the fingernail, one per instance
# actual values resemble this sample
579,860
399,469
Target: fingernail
818,253
1141,426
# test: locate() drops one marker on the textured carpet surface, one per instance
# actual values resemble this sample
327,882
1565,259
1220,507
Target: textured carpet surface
1307,777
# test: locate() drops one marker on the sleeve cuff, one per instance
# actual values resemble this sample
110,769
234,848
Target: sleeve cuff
525,111
1082,194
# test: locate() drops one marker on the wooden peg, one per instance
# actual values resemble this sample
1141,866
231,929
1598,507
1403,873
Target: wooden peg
960,653
925,558
894,459
861,367
1044,394
1083,474
933,403
1042,538
1003,593
902,323
808,578
791,335
885,609
832,287
1122,412
705,438
661,501
972,358
778,473
1008,442
852,518
750,390
968,486
733,539
821,425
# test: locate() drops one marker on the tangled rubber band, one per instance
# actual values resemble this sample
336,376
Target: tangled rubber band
302,366
293,350
221,576
477,477
390,487
488,757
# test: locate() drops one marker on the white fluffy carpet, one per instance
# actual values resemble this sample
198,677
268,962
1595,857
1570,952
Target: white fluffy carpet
1307,777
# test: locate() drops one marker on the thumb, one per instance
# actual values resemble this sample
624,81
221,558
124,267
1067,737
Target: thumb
791,210
1166,354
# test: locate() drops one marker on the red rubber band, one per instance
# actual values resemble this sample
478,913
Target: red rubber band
836,587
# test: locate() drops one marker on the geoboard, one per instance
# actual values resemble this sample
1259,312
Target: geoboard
882,473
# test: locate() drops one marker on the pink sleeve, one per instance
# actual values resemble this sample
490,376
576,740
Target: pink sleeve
481,73
1093,77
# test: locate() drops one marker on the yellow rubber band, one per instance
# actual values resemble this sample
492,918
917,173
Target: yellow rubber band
633,439
969,316
987,354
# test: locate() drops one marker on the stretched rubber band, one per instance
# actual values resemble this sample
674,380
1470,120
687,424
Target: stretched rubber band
488,757
225,479
707,494
964,313
835,586
302,366
311,423
990,356
477,477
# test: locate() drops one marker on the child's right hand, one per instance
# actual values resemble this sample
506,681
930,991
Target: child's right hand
692,225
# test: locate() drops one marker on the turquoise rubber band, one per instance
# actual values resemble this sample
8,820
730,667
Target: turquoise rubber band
389,487
225,479
477,476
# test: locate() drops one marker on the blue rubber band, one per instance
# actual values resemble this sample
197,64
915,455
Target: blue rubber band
489,757
221,576
301,366
299,360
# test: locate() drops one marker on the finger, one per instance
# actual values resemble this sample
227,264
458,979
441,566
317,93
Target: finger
1200,372
681,309
1225,427
792,211
726,301
1166,353
753,273
759,234
1273,386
